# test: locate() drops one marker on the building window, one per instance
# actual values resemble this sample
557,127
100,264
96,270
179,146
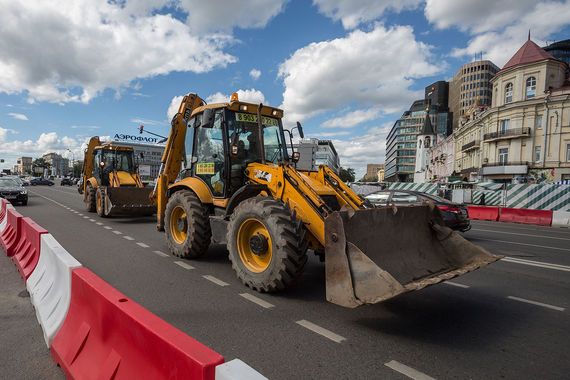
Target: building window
538,122
568,152
537,153
509,93
503,156
530,87
503,126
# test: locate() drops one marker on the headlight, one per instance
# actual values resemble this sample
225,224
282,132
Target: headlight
24,192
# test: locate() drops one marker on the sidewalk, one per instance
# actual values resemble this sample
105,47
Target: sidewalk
22,348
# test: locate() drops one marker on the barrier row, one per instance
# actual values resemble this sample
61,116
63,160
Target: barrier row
94,331
518,215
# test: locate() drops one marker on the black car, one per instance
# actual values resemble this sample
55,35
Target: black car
66,182
13,191
41,181
455,215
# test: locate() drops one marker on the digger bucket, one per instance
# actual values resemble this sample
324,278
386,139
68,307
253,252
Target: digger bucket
129,201
375,254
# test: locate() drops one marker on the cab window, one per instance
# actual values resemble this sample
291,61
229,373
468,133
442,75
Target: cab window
210,155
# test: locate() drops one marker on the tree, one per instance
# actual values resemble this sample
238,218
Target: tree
40,163
346,175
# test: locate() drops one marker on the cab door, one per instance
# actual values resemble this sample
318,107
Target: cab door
210,153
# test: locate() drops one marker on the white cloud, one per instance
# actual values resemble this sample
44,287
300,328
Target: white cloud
173,107
18,116
358,151
354,12
375,68
499,28
62,51
139,120
222,16
352,119
248,95
89,127
46,142
255,74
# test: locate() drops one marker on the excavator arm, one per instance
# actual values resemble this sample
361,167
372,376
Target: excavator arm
88,162
173,155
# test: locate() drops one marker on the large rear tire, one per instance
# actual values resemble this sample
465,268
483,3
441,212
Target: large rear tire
267,248
187,225
90,205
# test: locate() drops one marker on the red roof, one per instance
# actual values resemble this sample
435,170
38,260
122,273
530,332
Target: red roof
528,53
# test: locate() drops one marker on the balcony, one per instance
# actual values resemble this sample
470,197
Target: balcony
471,146
510,167
507,134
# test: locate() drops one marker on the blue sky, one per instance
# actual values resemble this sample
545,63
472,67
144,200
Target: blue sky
345,68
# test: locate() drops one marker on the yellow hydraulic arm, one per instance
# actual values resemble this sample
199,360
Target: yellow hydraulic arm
173,155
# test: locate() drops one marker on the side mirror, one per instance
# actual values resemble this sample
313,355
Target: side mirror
208,118
300,128
296,156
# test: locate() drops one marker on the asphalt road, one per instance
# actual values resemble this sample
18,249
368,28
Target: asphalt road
508,320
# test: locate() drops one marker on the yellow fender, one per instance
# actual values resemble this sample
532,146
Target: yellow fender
195,184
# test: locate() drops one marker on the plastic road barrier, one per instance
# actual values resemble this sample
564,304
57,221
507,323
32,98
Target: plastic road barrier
526,216
561,219
27,252
11,235
108,336
483,213
237,370
50,286
5,206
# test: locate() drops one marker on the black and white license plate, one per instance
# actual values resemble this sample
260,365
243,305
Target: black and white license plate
11,197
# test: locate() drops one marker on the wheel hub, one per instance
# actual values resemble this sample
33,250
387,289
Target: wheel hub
258,244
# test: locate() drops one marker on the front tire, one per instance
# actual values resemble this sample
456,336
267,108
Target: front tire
90,199
266,246
187,225
100,203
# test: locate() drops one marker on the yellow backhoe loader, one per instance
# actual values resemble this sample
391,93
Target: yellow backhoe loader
227,176
110,182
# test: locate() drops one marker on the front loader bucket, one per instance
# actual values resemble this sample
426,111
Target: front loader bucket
129,201
375,254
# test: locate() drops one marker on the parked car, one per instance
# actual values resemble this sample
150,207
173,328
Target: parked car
66,182
80,186
41,181
455,215
13,191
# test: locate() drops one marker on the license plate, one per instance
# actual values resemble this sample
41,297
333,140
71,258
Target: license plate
11,196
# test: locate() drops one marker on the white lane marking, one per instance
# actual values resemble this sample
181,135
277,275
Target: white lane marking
537,303
80,214
85,217
117,232
161,254
515,233
128,237
407,371
142,245
183,264
215,280
528,245
257,300
92,220
539,264
99,223
456,284
321,331
107,227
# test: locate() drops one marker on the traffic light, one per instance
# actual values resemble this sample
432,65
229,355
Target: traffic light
141,129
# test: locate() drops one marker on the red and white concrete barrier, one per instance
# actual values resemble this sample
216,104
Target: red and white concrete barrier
561,219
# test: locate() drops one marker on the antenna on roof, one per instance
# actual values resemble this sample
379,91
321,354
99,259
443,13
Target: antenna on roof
529,34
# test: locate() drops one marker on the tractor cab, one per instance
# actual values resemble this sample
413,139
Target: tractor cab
111,161
224,138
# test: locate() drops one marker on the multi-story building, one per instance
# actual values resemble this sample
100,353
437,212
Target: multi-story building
315,152
441,160
437,100
372,171
381,174
559,50
526,132
148,158
471,90
23,165
58,165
